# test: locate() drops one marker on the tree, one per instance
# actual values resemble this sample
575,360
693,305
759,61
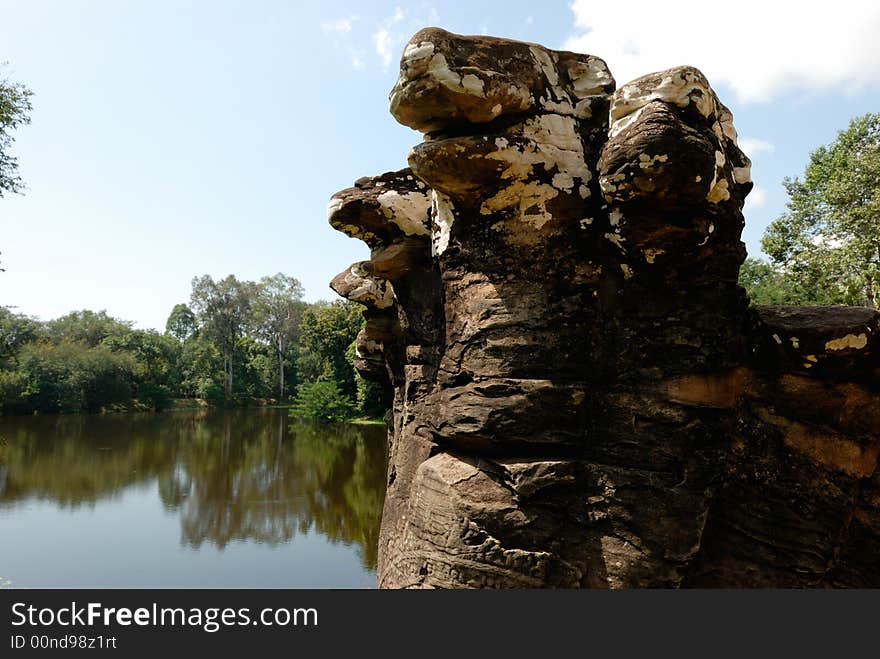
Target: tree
323,401
15,109
181,323
326,333
828,242
15,331
223,307
278,311
87,327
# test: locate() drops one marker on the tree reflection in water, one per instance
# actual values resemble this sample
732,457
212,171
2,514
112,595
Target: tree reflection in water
230,476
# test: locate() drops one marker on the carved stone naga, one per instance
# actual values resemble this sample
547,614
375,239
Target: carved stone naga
580,394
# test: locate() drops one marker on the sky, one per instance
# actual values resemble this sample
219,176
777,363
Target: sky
175,139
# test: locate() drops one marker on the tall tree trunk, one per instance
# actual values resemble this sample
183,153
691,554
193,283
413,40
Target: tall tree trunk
869,292
225,375
280,369
230,375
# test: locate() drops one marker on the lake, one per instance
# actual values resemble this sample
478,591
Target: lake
237,499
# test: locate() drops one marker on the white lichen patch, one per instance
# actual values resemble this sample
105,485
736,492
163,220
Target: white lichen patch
652,253
408,211
413,52
585,222
442,216
618,125
529,199
551,144
333,206
850,341
438,69
615,217
682,86
795,342
589,77
777,339
367,290
742,174
627,271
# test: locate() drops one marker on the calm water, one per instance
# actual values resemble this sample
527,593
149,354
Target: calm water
189,499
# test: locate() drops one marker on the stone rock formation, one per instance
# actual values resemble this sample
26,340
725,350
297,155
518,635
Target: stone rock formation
580,394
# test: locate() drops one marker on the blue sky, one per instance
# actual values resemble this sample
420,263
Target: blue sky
174,139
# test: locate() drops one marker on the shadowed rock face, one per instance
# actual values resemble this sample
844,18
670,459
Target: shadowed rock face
580,394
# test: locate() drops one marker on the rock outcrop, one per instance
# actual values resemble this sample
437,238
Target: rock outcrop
579,392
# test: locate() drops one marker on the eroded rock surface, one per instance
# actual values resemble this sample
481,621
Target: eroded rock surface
580,395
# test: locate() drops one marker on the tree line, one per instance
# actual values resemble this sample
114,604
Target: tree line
234,343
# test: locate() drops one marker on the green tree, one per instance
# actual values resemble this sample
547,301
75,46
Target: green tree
87,327
323,401
223,308
15,109
327,331
15,331
71,377
201,369
278,311
181,323
369,394
828,241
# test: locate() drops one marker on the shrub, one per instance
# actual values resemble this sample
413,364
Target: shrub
156,396
322,400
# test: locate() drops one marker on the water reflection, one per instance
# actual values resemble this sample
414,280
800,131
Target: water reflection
229,476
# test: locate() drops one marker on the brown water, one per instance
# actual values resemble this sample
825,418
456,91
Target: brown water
189,499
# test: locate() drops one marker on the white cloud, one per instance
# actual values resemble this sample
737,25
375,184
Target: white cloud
752,146
386,39
340,34
757,198
761,49
338,26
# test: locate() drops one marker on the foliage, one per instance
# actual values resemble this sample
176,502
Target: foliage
828,242
764,283
327,332
15,109
323,400
15,331
85,326
278,311
69,377
181,323
223,309
369,394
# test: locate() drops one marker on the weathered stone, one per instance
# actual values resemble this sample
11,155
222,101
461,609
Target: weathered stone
580,395
448,80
